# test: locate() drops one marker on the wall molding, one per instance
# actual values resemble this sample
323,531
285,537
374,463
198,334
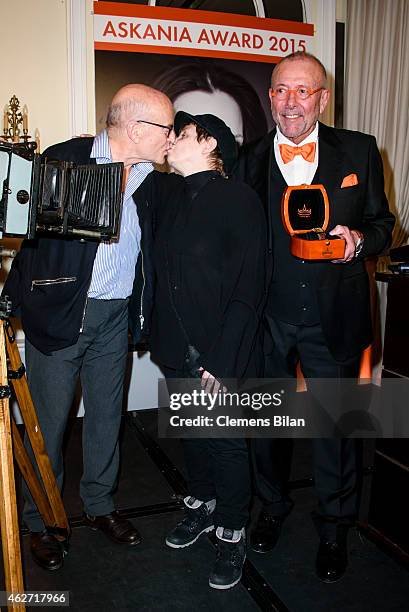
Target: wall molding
77,46
323,14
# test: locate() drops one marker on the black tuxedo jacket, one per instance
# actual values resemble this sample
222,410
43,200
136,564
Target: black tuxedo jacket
342,290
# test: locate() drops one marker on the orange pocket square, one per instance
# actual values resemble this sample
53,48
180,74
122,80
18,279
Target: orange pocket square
349,181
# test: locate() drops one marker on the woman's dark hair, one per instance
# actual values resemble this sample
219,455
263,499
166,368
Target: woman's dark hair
211,77
215,157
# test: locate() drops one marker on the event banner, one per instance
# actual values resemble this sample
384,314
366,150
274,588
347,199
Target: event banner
129,27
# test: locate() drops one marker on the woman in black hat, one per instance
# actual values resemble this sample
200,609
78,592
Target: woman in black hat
209,259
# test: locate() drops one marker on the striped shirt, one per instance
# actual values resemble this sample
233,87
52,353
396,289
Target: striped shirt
114,266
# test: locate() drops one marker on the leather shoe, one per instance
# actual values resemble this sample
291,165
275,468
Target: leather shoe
332,561
120,530
266,532
46,550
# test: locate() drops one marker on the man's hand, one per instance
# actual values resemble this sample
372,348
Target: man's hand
351,238
209,383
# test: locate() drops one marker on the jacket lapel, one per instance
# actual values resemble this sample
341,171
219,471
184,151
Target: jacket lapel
275,172
330,161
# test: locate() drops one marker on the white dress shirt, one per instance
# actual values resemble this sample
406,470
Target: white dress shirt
298,171
114,266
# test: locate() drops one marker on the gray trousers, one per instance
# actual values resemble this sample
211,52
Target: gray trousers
99,359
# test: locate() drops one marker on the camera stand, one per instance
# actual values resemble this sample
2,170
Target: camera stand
46,495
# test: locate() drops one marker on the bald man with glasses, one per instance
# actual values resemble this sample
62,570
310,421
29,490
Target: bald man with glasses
73,298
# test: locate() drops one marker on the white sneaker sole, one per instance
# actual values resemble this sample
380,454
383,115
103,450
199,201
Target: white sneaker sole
171,545
223,587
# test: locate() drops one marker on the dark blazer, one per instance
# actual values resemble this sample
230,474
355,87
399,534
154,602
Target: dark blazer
50,277
342,289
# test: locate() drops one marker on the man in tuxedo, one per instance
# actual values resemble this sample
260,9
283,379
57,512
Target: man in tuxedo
317,313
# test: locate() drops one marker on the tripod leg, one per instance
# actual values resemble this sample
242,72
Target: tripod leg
28,472
35,436
8,508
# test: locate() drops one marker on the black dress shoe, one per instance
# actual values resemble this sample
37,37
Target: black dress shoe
120,530
46,550
265,534
332,561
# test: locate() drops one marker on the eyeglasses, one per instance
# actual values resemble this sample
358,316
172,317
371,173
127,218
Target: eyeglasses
168,128
302,93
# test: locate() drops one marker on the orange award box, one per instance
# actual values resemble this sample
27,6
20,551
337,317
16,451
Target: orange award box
305,214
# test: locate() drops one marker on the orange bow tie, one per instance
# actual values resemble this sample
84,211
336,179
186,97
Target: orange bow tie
288,152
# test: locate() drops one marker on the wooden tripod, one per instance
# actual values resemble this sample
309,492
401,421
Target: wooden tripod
46,495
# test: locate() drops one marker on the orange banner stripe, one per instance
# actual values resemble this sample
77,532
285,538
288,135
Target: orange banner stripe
206,17
249,57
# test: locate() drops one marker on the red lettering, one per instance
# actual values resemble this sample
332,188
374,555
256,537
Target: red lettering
203,37
246,40
184,35
122,29
258,42
219,37
274,45
133,32
109,29
167,34
149,33
234,40
283,45
301,45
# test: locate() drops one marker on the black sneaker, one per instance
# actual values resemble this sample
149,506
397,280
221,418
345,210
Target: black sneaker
197,520
231,554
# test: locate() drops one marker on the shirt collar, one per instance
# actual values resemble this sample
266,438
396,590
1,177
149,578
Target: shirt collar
101,151
281,139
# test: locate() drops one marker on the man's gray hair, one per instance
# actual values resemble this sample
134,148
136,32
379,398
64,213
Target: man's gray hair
121,112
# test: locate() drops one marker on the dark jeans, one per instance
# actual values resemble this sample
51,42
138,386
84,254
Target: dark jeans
218,468
335,460
98,359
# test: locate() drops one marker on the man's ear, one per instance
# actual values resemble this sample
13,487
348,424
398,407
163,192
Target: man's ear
134,130
325,94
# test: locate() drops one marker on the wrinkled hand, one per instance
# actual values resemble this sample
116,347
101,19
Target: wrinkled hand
351,238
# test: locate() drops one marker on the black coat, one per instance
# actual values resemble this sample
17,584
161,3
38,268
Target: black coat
210,267
342,290
50,277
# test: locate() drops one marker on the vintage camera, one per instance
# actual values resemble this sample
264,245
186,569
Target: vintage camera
57,197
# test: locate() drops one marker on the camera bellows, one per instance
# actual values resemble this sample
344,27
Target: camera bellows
57,197
83,200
